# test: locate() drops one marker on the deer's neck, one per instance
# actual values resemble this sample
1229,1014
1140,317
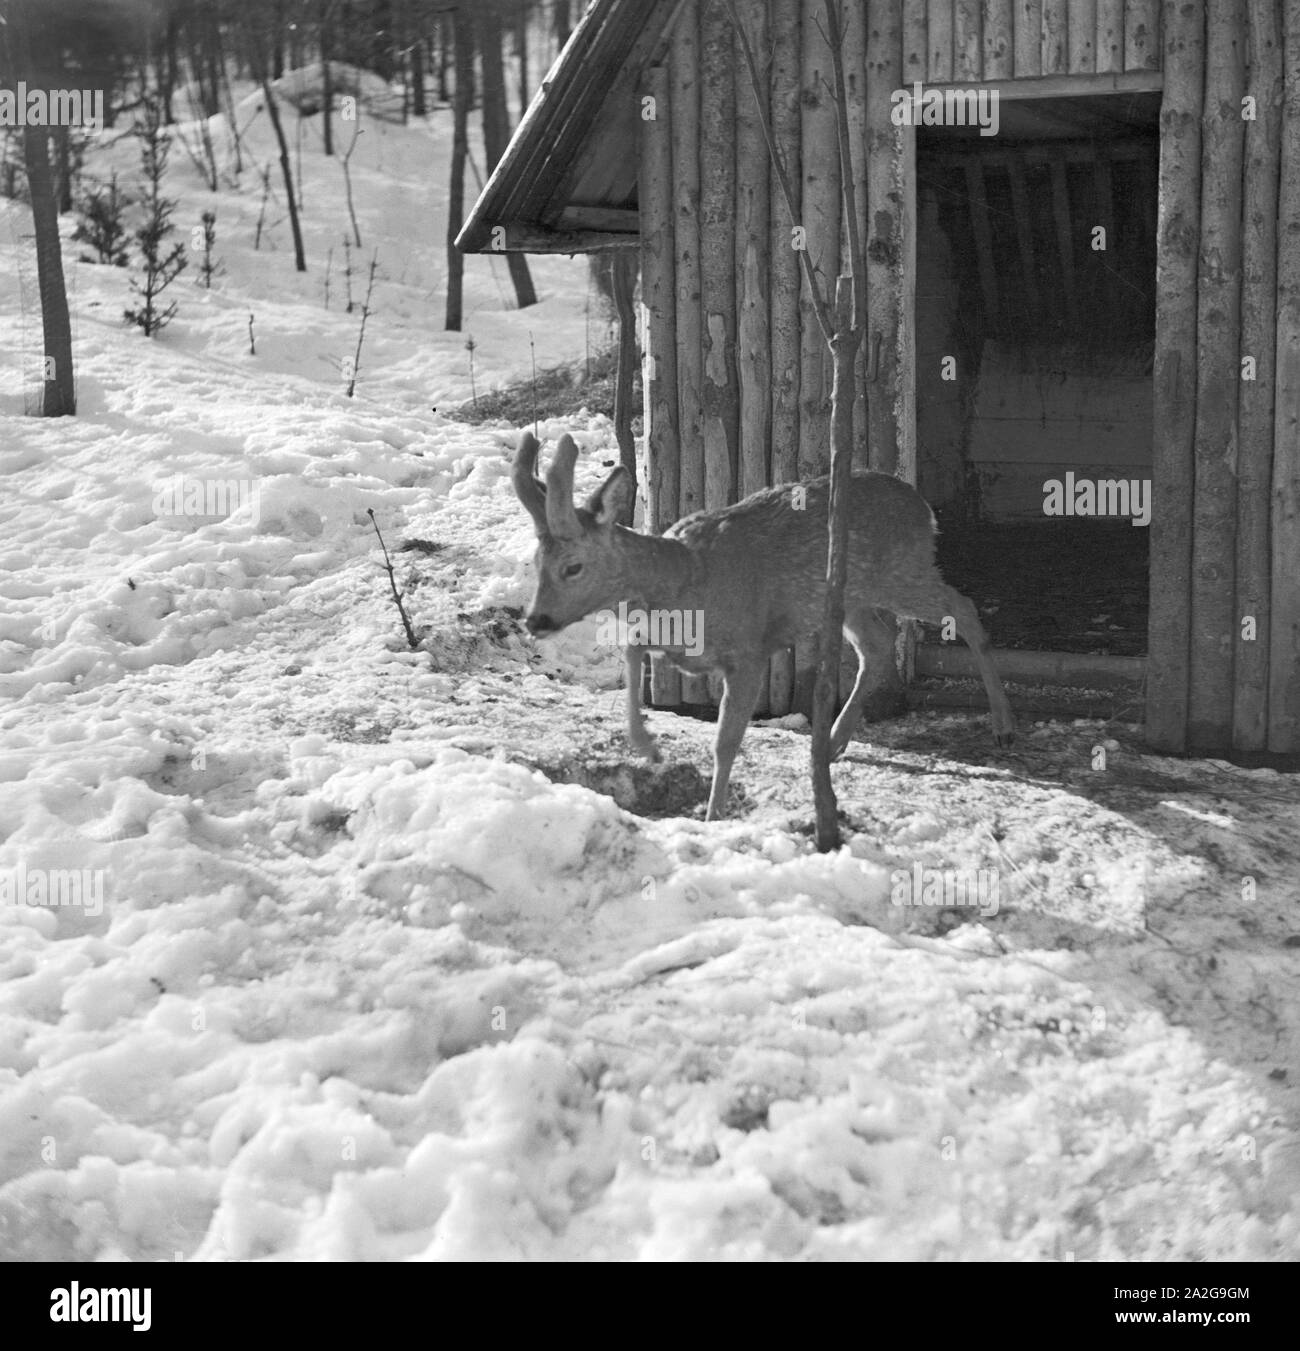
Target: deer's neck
661,573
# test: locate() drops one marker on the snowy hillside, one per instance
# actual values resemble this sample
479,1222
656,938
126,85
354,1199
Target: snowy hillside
352,978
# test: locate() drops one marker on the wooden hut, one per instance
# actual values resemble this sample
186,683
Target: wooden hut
1106,285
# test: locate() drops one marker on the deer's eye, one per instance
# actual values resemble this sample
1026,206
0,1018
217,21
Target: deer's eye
571,570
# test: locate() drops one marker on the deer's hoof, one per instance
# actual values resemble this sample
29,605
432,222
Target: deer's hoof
1004,738
647,750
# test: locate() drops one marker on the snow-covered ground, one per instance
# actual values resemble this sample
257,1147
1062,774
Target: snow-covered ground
350,978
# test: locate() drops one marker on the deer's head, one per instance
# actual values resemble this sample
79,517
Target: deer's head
580,566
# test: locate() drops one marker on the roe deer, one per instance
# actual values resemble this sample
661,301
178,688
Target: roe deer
753,574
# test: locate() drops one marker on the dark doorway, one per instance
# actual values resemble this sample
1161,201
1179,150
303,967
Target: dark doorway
1035,327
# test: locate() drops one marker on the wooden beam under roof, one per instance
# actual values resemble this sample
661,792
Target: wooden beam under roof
979,212
1024,233
534,238
1064,86
1065,239
1046,152
614,220
1105,217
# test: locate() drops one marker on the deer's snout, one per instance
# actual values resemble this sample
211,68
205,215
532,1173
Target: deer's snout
540,624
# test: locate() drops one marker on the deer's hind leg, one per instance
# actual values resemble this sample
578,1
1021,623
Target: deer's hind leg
872,637
931,599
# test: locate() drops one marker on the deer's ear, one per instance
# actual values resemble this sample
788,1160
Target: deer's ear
613,498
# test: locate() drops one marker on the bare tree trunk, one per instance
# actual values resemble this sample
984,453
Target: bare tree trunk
419,104
561,26
401,65
442,63
60,398
522,8
381,43
167,68
63,153
234,123
197,65
462,30
496,125
277,41
216,64
287,171
327,76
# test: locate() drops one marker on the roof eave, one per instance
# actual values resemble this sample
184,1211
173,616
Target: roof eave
548,140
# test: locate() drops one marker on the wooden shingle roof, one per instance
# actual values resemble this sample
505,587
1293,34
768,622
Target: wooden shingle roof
567,182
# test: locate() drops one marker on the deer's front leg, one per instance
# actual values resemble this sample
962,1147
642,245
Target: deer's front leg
739,697
642,742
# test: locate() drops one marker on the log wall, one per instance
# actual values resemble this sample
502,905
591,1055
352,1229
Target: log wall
970,40
739,394
1223,669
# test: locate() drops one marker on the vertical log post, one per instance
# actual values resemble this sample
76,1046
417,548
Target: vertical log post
1255,412
1218,380
1056,60
938,27
1028,38
1284,639
686,138
718,229
753,270
1174,393
999,39
915,44
820,218
907,458
785,43
967,42
1142,29
753,245
884,242
1081,36
906,466
622,275
1110,35
890,350
659,373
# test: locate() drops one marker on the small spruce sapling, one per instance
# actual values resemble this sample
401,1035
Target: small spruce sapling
203,237
162,260
100,222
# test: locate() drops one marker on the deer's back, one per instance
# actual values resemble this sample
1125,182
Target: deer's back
764,558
